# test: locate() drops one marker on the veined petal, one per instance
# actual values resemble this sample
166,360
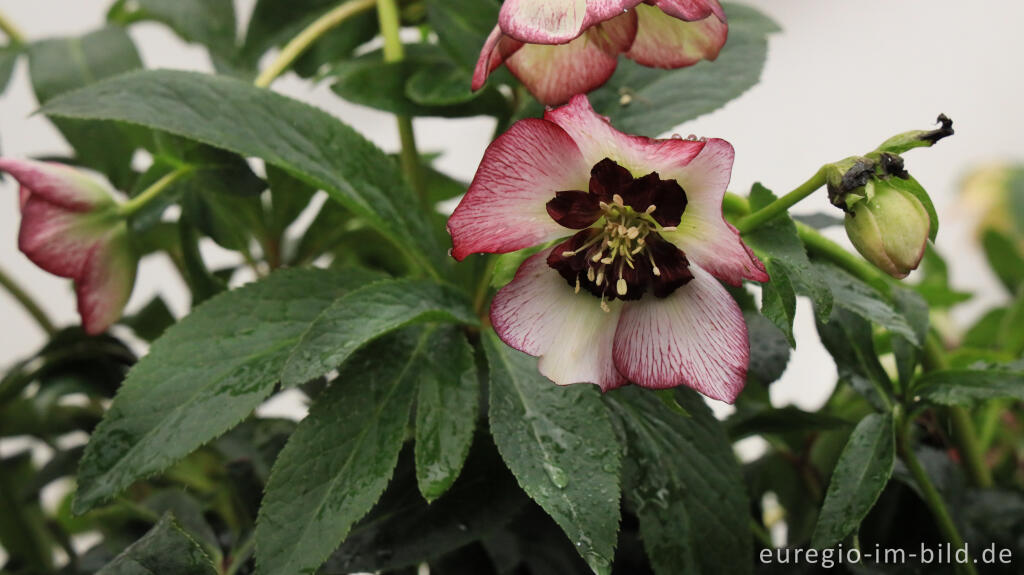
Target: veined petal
497,49
106,282
665,41
691,10
56,239
695,337
540,314
505,208
62,185
553,74
543,21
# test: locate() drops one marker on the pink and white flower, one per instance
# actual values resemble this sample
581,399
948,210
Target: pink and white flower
560,48
632,295
70,228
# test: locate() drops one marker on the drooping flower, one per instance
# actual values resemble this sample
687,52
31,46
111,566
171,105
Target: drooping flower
889,226
70,228
560,48
629,292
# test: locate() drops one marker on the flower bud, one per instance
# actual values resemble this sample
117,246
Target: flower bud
889,226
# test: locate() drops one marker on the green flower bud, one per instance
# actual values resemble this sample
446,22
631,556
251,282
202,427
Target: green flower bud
889,226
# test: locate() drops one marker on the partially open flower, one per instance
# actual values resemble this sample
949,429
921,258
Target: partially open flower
889,226
70,228
559,48
631,294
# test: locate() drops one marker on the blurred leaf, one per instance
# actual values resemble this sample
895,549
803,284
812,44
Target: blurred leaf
1005,259
863,471
166,550
257,442
341,457
967,387
684,483
366,314
649,101
61,65
201,378
857,297
769,349
848,337
189,516
819,221
23,533
151,321
462,26
787,419
934,283
560,445
447,406
8,58
289,197
207,22
914,308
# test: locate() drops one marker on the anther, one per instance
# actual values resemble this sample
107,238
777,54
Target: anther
618,200
621,287
577,284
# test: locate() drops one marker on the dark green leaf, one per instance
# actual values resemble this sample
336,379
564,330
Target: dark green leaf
462,26
684,483
1005,259
166,550
915,309
782,420
855,296
560,445
151,321
340,458
304,141
446,410
203,376
23,532
648,101
61,65
860,476
289,197
769,349
207,22
8,58
986,332
366,314
967,387
848,338
934,284
188,513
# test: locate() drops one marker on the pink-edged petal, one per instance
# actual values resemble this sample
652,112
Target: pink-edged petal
497,49
56,239
540,314
554,74
106,282
664,41
695,337
690,10
543,21
505,208
58,184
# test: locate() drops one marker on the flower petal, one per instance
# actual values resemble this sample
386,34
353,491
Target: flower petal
62,185
691,10
106,283
557,21
505,208
695,337
539,313
497,49
665,41
553,74
56,239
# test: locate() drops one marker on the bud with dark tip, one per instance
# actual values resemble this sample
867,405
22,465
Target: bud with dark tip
888,225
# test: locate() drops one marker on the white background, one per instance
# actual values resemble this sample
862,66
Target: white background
841,77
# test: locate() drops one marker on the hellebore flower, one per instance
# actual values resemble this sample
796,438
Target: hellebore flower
889,227
559,48
631,296
70,228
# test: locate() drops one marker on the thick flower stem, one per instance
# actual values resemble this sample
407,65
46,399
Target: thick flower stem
307,37
817,244
390,27
931,495
752,221
132,206
13,33
26,301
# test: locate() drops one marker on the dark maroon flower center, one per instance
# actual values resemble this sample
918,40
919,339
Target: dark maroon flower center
620,253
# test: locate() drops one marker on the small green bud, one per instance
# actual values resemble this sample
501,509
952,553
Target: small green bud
889,226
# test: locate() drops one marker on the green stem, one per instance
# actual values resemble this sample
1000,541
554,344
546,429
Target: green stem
13,33
132,206
931,495
781,205
26,301
964,434
818,245
307,37
241,555
394,51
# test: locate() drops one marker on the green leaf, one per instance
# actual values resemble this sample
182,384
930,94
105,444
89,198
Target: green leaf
289,197
915,309
648,101
778,246
787,419
462,26
366,314
934,283
304,141
769,349
61,65
8,58
203,376
848,337
967,387
855,296
447,406
151,321
560,445
684,483
166,550
1005,259
341,457
207,22
863,470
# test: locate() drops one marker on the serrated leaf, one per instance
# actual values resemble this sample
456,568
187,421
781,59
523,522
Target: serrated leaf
857,297
914,308
462,26
648,101
366,314
560,445
203,376
848,338
341,457
166,550
207,22
684,483
304,141
967,387
769,349
863,470
447,406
